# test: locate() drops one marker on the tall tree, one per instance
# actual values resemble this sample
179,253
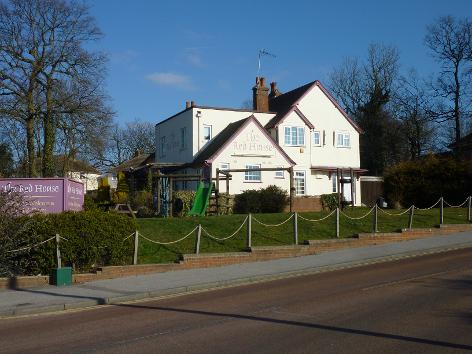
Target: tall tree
412,107
46,72
365,91
450,42
6,161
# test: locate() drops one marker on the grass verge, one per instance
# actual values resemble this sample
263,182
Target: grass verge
171,229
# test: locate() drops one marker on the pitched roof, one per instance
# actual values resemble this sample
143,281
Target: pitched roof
220,141
135,162
287,102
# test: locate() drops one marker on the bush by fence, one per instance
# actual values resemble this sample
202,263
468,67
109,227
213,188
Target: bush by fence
423,181
272,199
90,238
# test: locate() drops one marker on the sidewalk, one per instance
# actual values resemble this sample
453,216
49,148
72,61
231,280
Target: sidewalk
49,299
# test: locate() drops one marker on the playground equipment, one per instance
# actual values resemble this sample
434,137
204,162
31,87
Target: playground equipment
202,197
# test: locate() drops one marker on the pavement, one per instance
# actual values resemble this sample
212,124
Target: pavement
51,299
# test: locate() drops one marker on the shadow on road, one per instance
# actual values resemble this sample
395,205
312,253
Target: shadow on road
308,325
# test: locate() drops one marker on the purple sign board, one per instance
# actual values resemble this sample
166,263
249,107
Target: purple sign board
47,195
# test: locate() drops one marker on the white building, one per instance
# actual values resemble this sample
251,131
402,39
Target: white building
305,129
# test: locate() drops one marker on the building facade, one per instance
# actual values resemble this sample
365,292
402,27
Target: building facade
304,128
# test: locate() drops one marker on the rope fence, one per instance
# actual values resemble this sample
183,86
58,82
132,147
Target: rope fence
198,230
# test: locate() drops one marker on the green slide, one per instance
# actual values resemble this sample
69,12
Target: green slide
202,197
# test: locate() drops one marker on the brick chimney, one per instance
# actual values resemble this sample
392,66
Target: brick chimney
260,96
274,91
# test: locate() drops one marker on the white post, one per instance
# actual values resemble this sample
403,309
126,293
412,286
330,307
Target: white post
469,209
410,220
441,211
136,245
295,228
197,239
58,251
248,232
375,229
337,222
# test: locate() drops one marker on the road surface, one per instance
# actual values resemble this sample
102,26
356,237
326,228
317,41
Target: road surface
416,305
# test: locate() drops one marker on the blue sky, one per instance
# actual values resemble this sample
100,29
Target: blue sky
163,53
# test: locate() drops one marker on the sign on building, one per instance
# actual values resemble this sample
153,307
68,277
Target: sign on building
47,195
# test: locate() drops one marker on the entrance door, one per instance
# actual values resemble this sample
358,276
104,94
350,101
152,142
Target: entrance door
347,189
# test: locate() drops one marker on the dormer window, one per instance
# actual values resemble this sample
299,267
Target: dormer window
294,136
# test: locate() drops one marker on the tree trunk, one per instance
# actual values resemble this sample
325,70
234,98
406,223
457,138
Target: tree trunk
48,166
457,113
31,168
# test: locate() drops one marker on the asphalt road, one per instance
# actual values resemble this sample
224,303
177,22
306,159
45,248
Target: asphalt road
417,305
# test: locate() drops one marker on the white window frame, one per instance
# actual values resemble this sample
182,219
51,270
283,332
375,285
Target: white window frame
343,140
162,150
292,133
316,133
210,128
280,173
252,176
183,138
300,175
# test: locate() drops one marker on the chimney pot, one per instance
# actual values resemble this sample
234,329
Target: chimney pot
262,81
192,103
187,104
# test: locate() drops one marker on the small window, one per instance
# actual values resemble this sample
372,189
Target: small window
294,136
183,138
252,176
299,180
343,140
224,166
316,138
280,173
207,133
163,146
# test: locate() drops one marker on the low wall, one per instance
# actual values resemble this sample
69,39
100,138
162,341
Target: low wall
204,260
306,204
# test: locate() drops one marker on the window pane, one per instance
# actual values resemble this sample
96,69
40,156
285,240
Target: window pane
301,136
334,180
287,136
252,175
294,136
340,140
316,138
347,141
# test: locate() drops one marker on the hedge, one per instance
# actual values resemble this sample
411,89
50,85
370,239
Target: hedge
423,182
271,199
93,238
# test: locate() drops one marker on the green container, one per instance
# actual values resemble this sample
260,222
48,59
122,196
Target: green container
62,276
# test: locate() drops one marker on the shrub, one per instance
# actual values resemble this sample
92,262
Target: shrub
93,238
187,198
141,199
424,181
247,202
329,201
271,199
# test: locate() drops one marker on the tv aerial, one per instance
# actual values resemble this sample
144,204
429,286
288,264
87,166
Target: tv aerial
262,53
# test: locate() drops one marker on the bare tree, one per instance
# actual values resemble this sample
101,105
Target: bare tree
364,89
412,106
450,42
46,72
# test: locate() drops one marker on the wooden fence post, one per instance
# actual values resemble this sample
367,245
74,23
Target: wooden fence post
58,251
410,219
295,228
337,222
248,232
197,238
136,246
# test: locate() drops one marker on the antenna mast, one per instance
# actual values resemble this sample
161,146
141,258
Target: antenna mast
263,52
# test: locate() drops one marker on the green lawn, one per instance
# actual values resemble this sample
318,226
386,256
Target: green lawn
171,229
